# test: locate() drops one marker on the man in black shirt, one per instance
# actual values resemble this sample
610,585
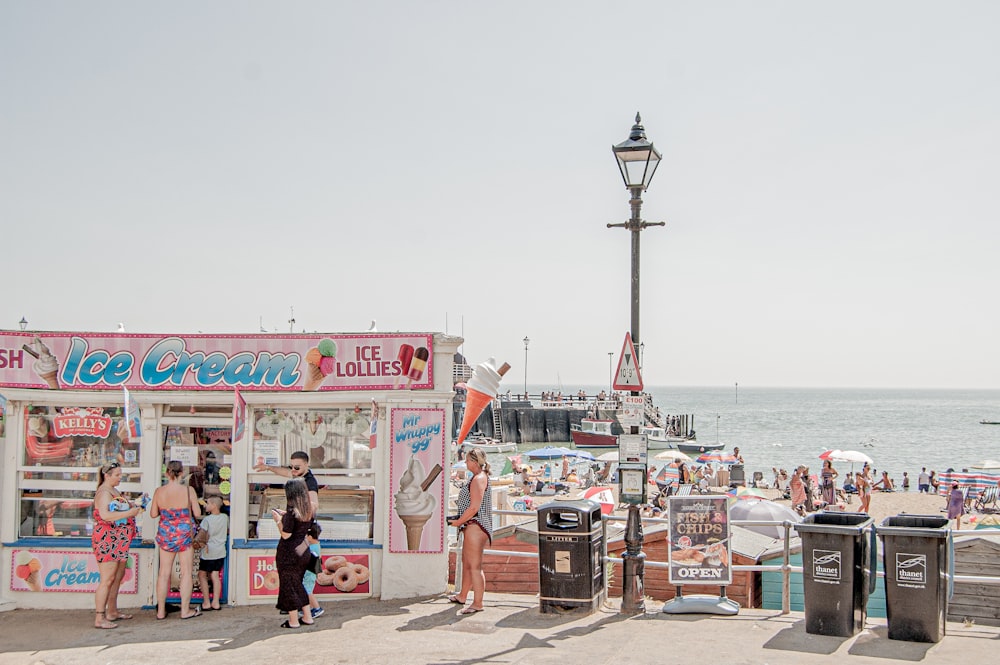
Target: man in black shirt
299,468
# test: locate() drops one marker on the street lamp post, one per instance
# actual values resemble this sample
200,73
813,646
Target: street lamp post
637,161
526,340
23,323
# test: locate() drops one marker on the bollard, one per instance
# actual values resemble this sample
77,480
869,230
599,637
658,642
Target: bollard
633,566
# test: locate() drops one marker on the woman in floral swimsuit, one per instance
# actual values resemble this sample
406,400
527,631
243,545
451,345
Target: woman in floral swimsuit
177,507
111,544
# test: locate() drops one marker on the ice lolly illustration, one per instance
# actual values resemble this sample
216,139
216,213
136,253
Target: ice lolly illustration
414,504
482,388
319,363
46,366
417,365
405,357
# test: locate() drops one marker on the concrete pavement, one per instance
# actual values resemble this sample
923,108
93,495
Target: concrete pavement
428,630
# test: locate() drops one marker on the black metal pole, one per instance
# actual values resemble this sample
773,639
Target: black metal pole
633,565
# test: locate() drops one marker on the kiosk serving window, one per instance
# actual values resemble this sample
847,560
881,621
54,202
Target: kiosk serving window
57,471
337,441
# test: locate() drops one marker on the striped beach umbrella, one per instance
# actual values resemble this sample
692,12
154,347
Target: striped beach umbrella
717,458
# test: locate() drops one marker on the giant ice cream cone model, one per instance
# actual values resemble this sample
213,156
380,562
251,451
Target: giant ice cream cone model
483,387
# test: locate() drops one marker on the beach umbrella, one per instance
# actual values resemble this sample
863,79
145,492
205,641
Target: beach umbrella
603,496
610,456
764,511
750,493
828,454
852,456
672,455
717,457
550,452
581,454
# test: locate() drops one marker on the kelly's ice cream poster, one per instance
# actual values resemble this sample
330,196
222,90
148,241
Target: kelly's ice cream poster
342,573
53,570
81,361
416,522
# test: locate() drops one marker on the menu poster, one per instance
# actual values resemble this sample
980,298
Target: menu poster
699,539
416,481
267,452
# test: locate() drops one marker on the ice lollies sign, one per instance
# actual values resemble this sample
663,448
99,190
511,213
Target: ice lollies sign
209,362
415,476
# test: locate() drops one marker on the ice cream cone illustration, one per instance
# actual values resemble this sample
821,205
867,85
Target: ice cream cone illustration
46,366
319,364
483,388
34,581
414,504
414,529
29,569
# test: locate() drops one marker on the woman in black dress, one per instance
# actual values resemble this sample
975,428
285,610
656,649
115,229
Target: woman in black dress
293,554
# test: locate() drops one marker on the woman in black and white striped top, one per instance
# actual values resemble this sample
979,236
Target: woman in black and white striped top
476,513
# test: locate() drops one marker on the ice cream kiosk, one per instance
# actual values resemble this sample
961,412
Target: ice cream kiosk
371,410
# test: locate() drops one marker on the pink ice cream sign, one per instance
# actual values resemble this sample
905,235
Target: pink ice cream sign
82,361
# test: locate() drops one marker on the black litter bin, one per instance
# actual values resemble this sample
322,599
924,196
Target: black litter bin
570,556
839,559
917,558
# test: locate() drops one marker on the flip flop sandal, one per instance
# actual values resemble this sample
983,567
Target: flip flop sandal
121,617
453,598
471,610
197,613
288,625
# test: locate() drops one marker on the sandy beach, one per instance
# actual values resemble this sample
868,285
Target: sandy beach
887,504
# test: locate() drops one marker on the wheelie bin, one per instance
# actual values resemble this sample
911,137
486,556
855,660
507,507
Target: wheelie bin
917,555
839,560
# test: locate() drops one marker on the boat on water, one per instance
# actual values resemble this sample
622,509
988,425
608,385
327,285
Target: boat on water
658,439
989,422
489,445
699,447
594,433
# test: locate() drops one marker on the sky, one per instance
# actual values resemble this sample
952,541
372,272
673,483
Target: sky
828,182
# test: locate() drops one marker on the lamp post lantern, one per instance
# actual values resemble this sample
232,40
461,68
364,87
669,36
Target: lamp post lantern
637,161
526,340
23,323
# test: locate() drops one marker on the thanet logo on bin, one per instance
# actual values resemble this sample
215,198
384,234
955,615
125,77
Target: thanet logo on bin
826,565
911,569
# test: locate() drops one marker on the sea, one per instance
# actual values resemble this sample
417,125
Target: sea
900,429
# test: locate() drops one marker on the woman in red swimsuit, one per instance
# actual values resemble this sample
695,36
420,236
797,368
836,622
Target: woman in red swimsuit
111,543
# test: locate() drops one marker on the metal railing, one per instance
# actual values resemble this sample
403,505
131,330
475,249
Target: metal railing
785,568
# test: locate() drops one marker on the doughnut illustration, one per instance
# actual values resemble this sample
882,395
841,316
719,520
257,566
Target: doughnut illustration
361,572
271,580
334,563
325,579
345,580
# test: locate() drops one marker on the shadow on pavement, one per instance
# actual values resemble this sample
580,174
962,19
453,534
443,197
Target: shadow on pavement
875,642
795,638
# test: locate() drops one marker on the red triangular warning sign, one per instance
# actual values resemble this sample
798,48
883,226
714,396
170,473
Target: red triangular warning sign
627,375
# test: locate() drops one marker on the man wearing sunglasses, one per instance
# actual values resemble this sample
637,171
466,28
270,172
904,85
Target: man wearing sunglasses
299,468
